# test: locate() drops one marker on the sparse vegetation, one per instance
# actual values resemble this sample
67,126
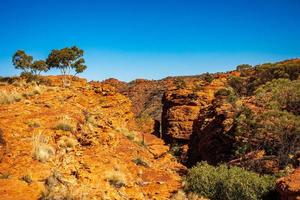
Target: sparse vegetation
116,178
6,98
64,124
27,178
180,83
42,151
207,77
5,175
280,94
139,161
225,182
226,93
57,188
33,124
67,142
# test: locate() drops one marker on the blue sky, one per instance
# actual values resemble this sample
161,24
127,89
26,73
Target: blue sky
152,39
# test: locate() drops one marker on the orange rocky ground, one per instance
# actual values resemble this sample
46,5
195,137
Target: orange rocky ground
97,156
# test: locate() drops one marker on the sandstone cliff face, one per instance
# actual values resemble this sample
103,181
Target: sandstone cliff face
289,187
211,140
180,109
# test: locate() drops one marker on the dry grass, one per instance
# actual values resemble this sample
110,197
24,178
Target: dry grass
42,151
131,135
5,175
57,189
181,195
6,98
33,90
67,142
116,178
27,178
65,124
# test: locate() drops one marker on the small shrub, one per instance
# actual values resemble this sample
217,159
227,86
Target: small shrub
5,175
41,150
181,195
116,179
226,93
128,134
27,179
222,92
179,83
64,126
56,189
238,84
207,77
9,98
175,150
141,162
36,90
33,124
242,67
67,142
226,183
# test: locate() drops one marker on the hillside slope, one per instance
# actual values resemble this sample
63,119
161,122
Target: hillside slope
78,142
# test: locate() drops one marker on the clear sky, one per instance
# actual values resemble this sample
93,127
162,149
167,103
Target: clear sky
152,39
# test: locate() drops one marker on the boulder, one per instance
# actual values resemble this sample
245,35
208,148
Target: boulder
289,186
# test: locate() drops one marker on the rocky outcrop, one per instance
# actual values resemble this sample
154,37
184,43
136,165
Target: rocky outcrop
77,140
211,140
289,187
180,109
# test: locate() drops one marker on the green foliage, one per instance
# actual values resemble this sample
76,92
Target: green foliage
243,67
269,71
277,132
281,94
67,59
39,66
228,183
238,84
252,78
179,83
246,124
22,61
64,126
141,162
226,93
25,62
222,92
207,77
27,179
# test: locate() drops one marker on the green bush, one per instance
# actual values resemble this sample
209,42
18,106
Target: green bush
238,84
226,93
281,94
277,132
207,77
254,77
226,183
64,126
243,67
